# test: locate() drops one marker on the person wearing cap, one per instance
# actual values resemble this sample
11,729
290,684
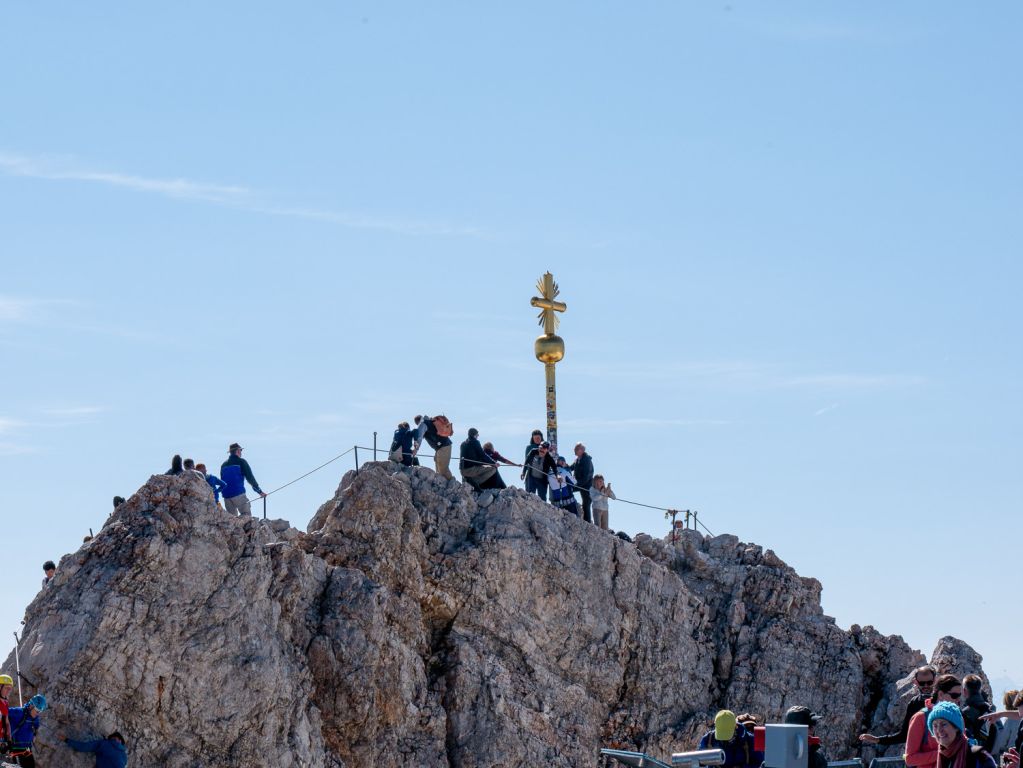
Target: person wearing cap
6,686
234,472
539,465
733,739
24,726
945,724
803,716
110,752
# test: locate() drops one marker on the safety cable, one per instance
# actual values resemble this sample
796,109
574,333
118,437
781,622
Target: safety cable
302,477
696,519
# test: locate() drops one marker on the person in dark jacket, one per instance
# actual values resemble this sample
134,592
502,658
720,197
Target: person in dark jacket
234,472
478,469
177,466
734,740
402,444
582,470
973,708
945,724
110,752
24,726
532,485
803,716
538,467
426,430
924,680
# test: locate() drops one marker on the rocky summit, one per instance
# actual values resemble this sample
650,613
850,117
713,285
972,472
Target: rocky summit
413,624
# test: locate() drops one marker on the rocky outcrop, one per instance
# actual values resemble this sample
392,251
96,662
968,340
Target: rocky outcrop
414,625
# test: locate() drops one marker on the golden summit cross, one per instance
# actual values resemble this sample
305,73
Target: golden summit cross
549,348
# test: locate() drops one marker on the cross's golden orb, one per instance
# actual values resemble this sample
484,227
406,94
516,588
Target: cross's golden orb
549,349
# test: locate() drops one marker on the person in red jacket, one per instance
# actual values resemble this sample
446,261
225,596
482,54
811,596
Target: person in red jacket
921,746
6,686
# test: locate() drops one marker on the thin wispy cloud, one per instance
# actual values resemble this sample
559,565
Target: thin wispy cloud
80,410
238,197
21,309
825,409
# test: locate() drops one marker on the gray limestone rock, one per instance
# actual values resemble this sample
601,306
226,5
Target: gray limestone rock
408,626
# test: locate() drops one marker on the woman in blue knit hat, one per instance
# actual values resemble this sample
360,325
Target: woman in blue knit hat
945,724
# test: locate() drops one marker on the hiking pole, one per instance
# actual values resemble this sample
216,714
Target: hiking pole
17,668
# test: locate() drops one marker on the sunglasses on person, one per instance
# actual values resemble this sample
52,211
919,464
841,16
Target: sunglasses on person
925,683
954,694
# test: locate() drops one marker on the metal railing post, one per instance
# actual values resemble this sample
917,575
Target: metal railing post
374,446
356,459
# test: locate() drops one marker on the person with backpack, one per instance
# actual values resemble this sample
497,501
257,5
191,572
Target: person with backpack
539,465
582,468
734,740
476,467
24,726
234,472
437,432
945,724
401,445
973,708
110,752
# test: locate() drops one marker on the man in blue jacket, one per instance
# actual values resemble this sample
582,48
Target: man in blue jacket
110,752
24,726
734,740
234,472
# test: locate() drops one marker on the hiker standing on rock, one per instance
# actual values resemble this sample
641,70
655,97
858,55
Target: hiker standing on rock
582,468
924,680
437,432
534,442
600,493
177,466
401,445
476,467
110,752
213,481
234,472
539,465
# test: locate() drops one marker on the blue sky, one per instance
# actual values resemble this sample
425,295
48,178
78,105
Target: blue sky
788,236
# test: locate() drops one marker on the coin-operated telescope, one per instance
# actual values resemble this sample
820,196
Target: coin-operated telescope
695,759
784,746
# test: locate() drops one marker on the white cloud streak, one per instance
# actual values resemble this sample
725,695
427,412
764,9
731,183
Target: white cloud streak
236,197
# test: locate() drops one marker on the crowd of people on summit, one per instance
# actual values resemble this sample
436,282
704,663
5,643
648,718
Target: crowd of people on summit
948,723
544,473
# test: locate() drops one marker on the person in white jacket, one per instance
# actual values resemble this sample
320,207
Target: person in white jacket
599,494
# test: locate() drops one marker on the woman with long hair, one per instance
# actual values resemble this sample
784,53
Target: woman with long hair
921,747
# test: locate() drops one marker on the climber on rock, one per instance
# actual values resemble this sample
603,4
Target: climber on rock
437,432
476,467
110,752
24,726
234,472
924,680
214,482
734,740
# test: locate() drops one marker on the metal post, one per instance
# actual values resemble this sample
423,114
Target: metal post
374,446
264,507
17,668
356,459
